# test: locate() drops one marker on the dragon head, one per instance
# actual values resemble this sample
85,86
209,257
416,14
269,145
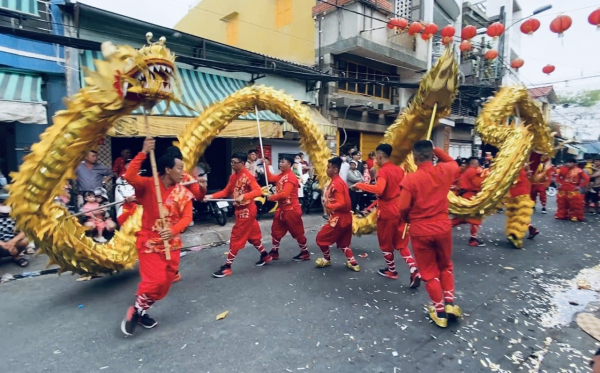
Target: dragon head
135,76
441,83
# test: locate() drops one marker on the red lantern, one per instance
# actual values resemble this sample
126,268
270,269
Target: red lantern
398,24
447,40
415,28
561,24
468,33
491,54
426,37
548,69
448,31
465,46
517,63
530,26
496,29
431,29
594,18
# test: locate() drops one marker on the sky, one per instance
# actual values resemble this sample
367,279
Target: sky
574,55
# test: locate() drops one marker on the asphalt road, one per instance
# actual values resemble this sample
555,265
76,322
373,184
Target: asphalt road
293,317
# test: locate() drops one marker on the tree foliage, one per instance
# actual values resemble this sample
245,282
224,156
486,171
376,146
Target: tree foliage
582,99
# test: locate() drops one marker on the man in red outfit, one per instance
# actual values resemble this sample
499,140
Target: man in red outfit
243,187
391,230
469,186
156,271
540,181
338,228
571,186
522,187
288,217
424,204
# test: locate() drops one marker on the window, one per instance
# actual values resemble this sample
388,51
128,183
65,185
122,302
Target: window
232,29
283,12
357,71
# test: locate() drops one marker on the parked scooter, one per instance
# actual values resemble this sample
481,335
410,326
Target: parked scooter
312,195
263,205
218,209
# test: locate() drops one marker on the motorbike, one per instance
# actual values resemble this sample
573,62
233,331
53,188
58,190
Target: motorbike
217,209
263,205
312,195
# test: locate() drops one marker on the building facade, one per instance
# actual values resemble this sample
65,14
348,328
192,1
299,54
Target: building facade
32,80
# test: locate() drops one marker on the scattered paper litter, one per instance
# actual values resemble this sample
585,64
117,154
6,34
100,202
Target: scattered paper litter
222,315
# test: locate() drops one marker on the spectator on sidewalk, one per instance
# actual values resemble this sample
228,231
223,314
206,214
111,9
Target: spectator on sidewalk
91,175
371,160
357,156
305,165
354,177
344,169
251,162
12,242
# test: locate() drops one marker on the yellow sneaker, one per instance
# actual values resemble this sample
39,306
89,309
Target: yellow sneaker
574,219
322,263
439,321
355,268
515,242
453,311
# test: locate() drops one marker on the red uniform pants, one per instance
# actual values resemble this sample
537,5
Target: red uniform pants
337,230
569,205
246,229
288,221
389,235
157,275
539,189
475,223
434,255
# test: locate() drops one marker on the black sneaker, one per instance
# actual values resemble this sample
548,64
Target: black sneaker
130,321
544,210
264,259
303,256
223,272
146,321
415,280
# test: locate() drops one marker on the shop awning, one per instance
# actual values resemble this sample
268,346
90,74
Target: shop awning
163,126
21,98
328,128
197,88
22,6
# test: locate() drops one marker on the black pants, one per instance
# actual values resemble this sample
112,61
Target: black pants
355,199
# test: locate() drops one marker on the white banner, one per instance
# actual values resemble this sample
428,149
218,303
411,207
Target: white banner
24,112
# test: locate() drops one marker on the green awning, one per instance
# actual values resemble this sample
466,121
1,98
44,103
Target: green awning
21,6
197,87
16,86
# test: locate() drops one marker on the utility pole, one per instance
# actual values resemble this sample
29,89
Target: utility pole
501,41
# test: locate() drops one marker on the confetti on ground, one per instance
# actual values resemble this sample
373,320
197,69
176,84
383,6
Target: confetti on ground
222,315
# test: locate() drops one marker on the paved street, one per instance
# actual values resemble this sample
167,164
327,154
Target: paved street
293,317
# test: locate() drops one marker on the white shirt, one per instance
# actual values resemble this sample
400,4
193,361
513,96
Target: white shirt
344,171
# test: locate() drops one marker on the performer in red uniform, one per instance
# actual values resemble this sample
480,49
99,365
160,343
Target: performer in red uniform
243,187
156,271
519,208
390,227
288,217
571,186
470,185
338,228
424,204
540,181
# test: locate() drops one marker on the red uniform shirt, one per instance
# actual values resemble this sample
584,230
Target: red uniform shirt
571,179
387,189
286,184
522,186
338,197
177,203
470,180
119,166
424,198
241,184
543,175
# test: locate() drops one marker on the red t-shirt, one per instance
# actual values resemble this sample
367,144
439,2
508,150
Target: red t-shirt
424,198
338,197
241,183
177,202
471,179
387,189
370,163
286,184
522,186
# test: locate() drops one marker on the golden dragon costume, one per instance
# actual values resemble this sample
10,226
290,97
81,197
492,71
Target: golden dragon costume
128,78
